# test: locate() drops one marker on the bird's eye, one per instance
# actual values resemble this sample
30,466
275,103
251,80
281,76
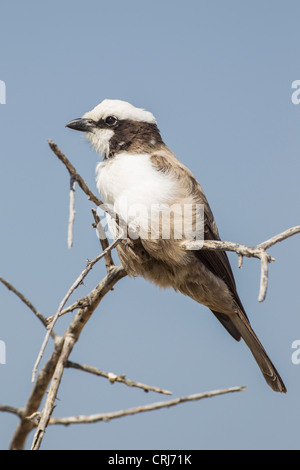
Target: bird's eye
110,120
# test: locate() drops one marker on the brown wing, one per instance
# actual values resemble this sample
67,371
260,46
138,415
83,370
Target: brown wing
216,261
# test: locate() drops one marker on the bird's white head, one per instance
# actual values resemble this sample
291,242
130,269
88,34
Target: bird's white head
109,119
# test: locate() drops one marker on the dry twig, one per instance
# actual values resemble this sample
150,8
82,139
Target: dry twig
70,337
103,240
116,378
258,251
71,211
52,371
28,303
12,409
74,286
46,374
141,409
73,173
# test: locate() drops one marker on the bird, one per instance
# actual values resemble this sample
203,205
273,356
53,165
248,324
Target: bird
139,170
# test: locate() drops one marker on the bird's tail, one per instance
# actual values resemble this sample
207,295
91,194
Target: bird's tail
265,364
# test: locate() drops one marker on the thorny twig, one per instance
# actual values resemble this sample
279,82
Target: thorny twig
53,369
74,286
117,378
141,409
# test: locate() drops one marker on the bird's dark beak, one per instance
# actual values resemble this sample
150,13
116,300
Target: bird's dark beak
81,124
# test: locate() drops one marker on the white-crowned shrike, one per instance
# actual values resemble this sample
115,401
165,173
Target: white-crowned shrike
139,169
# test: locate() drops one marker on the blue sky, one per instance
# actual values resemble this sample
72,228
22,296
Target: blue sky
217,76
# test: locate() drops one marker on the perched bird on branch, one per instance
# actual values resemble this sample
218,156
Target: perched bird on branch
151,190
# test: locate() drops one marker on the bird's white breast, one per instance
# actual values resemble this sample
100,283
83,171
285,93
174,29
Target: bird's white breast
151,202
133,178
132,186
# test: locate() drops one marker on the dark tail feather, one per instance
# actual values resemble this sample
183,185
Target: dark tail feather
265,364
227,323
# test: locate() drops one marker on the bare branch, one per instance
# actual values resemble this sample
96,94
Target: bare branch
73,173
34,417
77,304
74,286
28,303
45,375
71,211
52,371
258,251
116,378
240,257
11,409
221,245
263,277
38,391
279,238
140,409
70,337
69,342
103,240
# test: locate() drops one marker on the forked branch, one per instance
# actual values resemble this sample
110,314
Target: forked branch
52,371
258,251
